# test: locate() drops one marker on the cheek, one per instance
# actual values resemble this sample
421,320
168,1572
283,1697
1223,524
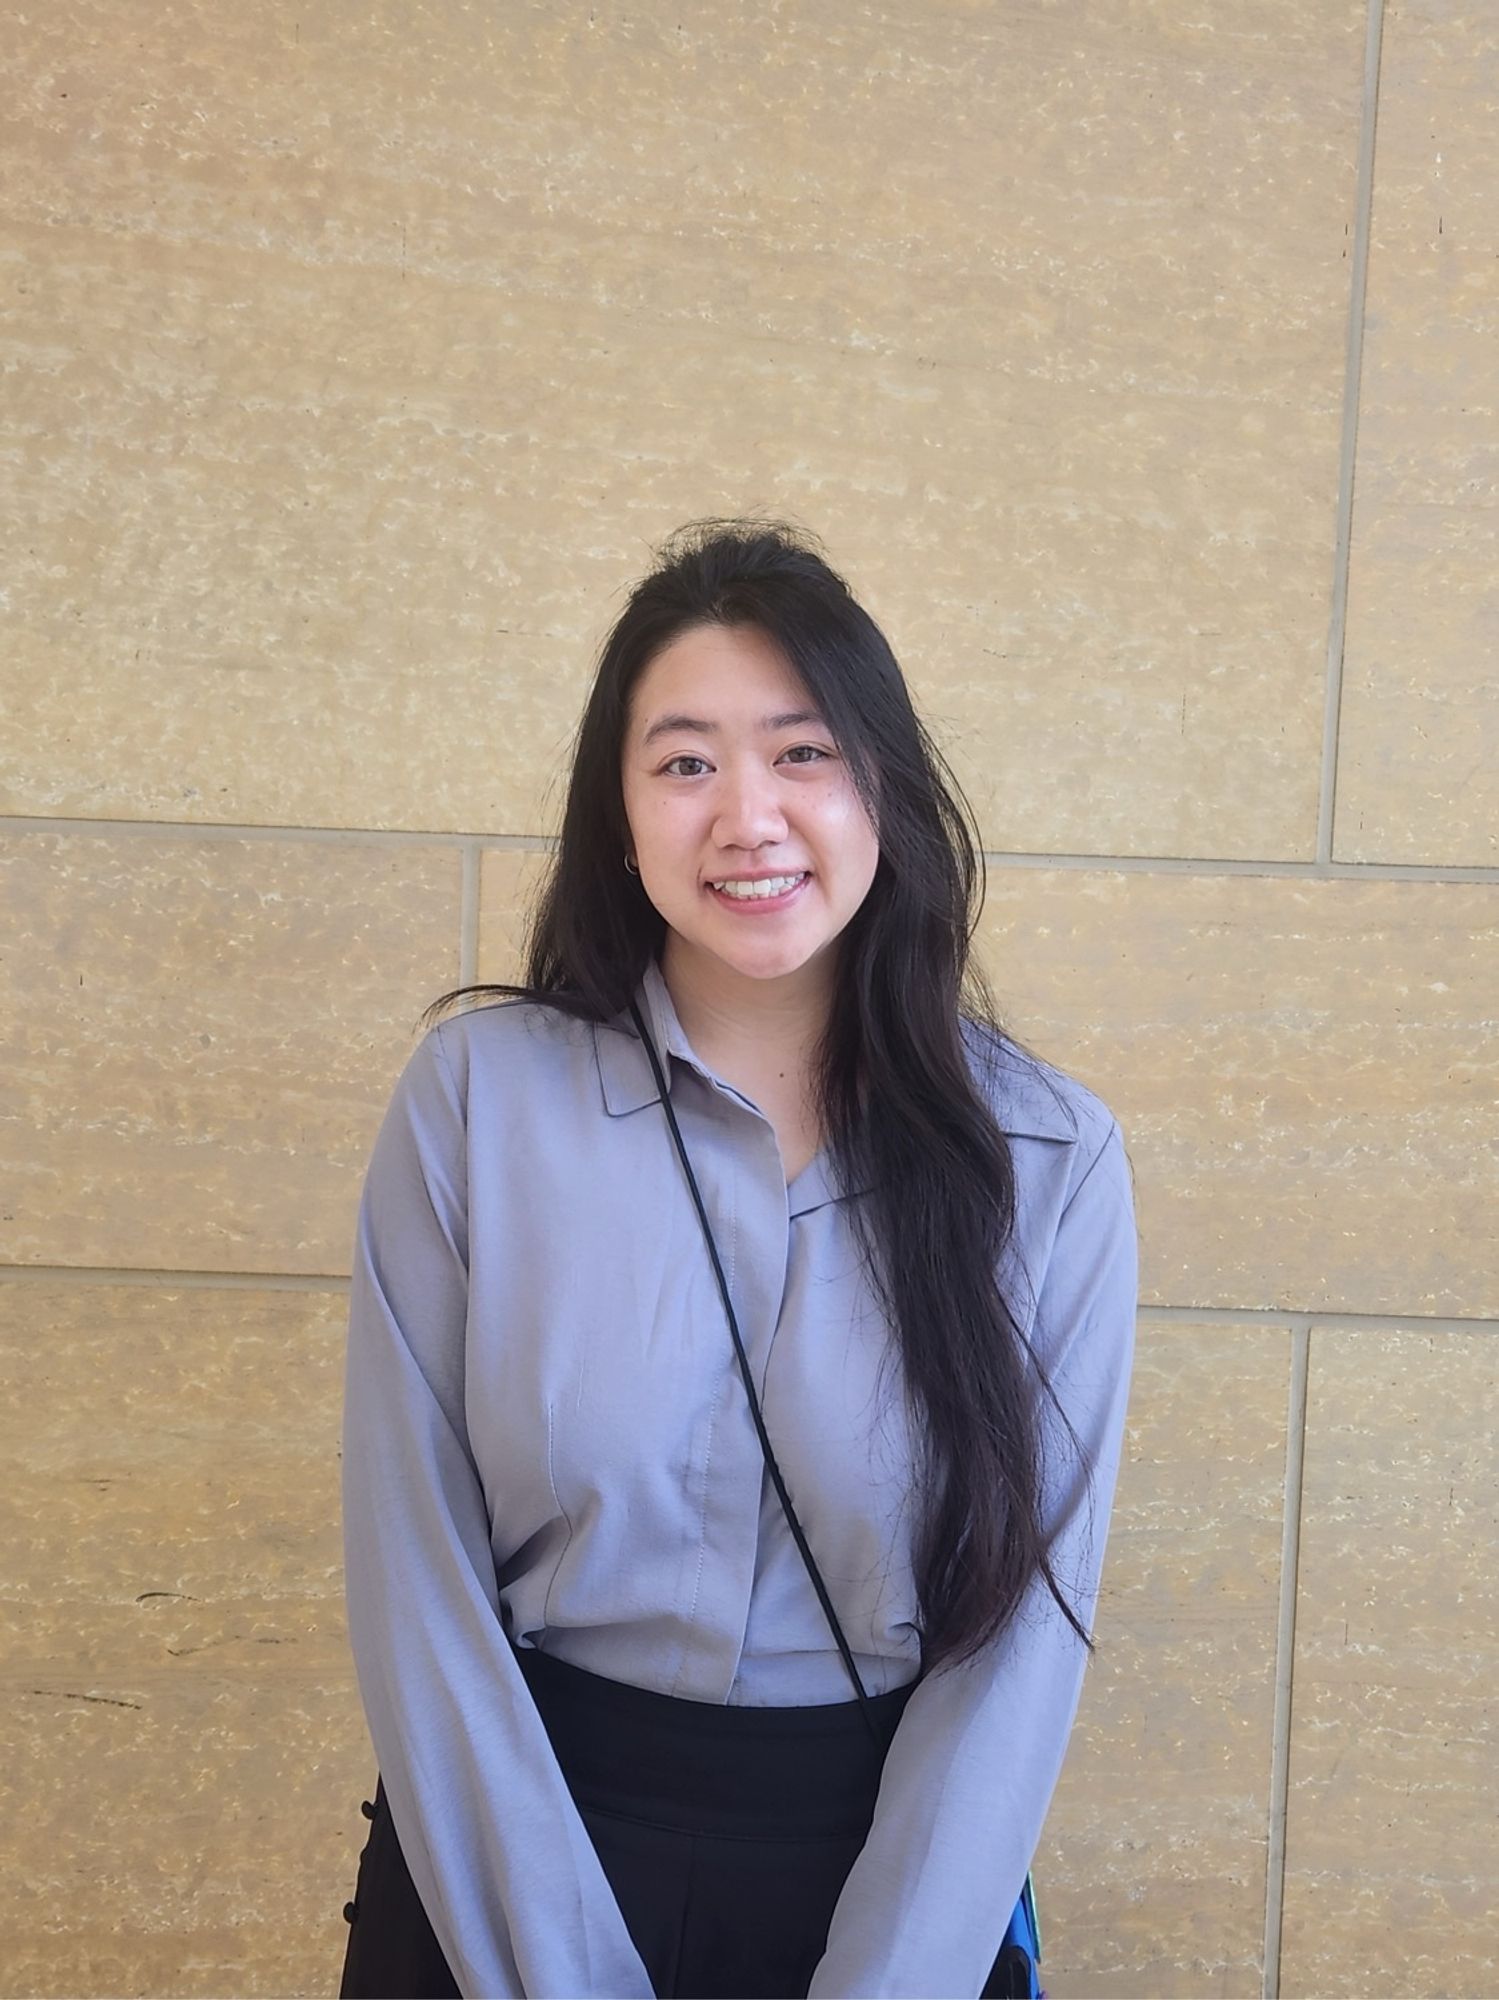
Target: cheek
670,817
845,820
667,828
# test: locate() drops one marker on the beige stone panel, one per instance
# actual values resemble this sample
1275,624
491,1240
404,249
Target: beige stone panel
668,162
1394,1768
183,1744
201,1037
1306,1072
510,880
873,248
314,560
1418,765
188,1833
274,574
172,1488
1150,1875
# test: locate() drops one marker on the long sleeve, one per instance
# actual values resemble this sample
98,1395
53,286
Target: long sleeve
979,1749
496,1848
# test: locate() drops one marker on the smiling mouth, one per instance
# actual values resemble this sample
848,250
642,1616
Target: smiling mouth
769,889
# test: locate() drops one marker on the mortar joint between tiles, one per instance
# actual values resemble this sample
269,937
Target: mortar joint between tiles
1348,439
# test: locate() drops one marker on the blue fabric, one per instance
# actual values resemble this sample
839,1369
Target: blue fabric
1024,1930
546,1441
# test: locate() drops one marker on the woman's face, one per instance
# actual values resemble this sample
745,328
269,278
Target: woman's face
729,776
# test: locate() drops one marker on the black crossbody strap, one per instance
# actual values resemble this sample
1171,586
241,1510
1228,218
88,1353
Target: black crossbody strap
744,1369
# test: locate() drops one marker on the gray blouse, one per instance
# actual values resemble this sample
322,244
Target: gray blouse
545,1434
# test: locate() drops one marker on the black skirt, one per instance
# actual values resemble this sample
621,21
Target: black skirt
725,1831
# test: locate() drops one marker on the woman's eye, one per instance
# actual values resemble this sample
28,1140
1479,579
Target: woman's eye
688,757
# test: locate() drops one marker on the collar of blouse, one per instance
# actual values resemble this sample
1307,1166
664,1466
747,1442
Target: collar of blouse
1026,1105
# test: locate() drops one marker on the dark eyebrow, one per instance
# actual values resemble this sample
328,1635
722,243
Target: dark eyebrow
696,726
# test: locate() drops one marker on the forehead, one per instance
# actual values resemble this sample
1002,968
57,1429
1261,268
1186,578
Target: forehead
732,670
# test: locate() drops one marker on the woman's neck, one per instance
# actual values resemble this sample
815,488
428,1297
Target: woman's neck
760,1025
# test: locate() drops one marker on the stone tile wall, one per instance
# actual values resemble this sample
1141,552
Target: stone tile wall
1136,363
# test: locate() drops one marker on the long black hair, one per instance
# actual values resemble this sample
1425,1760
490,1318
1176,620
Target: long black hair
901,1108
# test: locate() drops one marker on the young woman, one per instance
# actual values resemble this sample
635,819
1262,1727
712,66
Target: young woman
739,1346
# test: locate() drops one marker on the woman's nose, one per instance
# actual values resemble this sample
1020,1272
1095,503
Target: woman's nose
749,810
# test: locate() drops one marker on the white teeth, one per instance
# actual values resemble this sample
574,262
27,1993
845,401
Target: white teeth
775,885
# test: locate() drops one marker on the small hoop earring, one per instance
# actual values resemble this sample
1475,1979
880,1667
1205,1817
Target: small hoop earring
631,866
